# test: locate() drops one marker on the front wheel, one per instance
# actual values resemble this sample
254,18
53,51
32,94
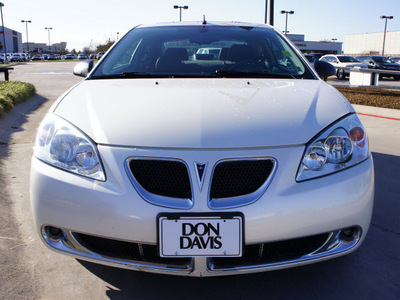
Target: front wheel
340,74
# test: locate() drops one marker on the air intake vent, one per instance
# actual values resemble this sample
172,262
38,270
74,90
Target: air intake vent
162,177
241,178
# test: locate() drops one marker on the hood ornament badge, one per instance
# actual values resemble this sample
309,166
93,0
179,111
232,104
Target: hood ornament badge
200,173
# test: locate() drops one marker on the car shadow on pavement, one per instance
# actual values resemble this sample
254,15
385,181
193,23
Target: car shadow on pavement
14,120
15,278
371,272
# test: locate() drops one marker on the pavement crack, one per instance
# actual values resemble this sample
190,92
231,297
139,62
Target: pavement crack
385,229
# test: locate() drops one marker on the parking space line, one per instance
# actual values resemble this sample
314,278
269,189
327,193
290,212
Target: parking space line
382,117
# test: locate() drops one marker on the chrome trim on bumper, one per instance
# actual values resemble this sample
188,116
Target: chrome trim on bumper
336,245
68,244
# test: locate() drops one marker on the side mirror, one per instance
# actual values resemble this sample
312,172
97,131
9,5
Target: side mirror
324,69
84,68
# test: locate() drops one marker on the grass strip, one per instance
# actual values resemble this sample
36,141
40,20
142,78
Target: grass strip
14,92
372,97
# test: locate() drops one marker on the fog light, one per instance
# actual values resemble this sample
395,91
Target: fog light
53,233
349,234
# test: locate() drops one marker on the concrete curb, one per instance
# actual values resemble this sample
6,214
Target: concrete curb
377,111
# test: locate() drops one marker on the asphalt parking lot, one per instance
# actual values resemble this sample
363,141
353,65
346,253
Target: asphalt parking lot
31,271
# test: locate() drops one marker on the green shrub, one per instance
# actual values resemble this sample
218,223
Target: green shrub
372,97
14,92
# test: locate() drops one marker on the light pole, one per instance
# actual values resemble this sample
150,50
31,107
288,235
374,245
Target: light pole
180,10
4,33
384,33
27,40
287,12
48,30
117,36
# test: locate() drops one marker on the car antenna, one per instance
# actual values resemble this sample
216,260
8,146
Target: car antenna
204,20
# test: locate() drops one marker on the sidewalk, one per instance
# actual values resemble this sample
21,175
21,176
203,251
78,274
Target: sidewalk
377,111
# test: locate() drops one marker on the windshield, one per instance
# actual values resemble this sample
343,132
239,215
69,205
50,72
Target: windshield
381,59
347,59
202,51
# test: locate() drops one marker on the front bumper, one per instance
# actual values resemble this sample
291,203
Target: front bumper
112,211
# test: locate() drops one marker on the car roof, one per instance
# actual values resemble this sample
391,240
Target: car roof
211,23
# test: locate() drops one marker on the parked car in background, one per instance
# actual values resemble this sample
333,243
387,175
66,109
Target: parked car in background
202,168
395,59
82,56
311,59
37,57
100,55
343,61
69,56
24,56
16,57
381,63
92,56
52,57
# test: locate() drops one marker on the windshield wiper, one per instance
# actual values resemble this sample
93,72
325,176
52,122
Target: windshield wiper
129,75
250,74
138,75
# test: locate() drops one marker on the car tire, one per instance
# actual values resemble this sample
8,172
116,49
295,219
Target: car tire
340,74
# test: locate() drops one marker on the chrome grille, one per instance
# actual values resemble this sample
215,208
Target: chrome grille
234,182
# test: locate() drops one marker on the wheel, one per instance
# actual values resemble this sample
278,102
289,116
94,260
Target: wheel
340,74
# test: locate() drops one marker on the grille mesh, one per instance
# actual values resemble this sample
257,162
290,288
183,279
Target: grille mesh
162,177
237,178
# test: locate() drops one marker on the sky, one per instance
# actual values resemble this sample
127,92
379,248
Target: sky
87,23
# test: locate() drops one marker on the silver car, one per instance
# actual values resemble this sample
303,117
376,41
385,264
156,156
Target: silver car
241,163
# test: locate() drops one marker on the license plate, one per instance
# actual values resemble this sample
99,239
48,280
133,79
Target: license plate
212,236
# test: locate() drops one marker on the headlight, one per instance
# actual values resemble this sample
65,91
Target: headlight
340,146
62,145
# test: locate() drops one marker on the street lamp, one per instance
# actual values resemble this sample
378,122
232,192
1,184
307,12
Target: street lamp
27,41
180,10
384,34
48,30
117,36
4,33
287,12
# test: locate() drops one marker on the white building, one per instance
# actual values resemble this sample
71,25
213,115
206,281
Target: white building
314,46
372,43
13,40
44,48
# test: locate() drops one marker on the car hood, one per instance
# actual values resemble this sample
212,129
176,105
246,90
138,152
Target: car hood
202,113
393,65
353,64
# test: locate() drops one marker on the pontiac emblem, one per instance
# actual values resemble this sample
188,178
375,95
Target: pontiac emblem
201,170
